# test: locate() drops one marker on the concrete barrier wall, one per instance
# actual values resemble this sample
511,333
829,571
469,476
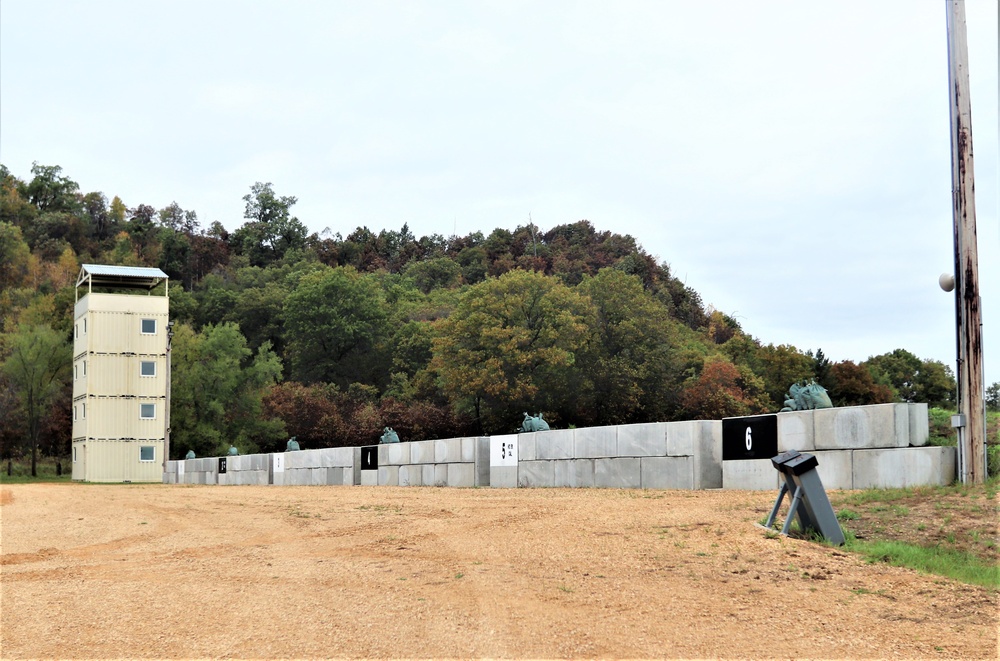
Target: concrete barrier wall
656,455
857,447
449,462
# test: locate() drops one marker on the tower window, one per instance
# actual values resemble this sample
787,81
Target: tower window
147,453
147,411
147,368
149,326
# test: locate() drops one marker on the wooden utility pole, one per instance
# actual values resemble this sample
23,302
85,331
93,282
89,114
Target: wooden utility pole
971,421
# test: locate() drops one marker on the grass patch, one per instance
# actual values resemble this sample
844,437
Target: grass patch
958,565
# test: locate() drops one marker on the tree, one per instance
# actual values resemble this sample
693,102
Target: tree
993,397
723,390
336,328
899,369
217,390
434,273
628,364
272,230
853,385
935,384
781,366
50,191
14,257
510,346
38,366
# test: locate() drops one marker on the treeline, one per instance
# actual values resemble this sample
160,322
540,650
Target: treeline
329,338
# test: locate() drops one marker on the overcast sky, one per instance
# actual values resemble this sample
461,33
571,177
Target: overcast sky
789,160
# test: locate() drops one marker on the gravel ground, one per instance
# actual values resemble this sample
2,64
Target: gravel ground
180,571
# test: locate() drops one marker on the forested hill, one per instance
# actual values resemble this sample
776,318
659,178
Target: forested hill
330,338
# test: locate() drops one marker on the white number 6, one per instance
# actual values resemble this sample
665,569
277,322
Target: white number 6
749,440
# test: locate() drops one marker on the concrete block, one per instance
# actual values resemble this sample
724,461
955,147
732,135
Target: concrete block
750,475
304,459
534,474
643,440
411,476
335,475
317,477
680,438
526,446
278,479
422,452
388,476
259,462
482,460
919,424
224,479
356,465
555,444
904,467
618,473
504,477
468,450
862,427
667,472
440,475
707,441
394,454
835,468
369,478
447,450
462,475
594,442
573,473
795,431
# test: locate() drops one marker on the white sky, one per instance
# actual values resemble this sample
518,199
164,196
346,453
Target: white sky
789,160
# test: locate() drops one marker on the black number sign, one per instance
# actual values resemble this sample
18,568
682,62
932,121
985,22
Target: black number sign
222,465
369,458
755,437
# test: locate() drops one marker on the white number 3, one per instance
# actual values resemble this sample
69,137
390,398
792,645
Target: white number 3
749,439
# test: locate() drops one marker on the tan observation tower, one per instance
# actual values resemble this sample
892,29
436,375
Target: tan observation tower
120,374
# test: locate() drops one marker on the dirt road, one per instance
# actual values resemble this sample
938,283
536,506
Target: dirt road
93,571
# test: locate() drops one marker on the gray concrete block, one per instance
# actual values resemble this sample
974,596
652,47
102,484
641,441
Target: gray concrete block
369,478
335,475
317,477
440,475
534,474
642,440
447,450
462,475
681,438
573,473
835,468
594,442
427,475
750,475
667,472
304,459
919,424
394,454
482,460
356,465
278,479
526,446
422,452
904,467
468,450
259,462
618,473
795,431
862,427
504,477
555,444
388,476
707,454
411,476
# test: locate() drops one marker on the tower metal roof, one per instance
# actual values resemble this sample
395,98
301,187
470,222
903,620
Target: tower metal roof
129,277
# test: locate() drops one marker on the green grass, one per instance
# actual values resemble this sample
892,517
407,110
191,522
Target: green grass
949,563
